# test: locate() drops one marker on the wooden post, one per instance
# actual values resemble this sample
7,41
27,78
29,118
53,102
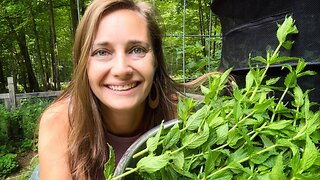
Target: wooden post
12,94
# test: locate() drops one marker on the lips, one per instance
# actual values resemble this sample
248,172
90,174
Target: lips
122,87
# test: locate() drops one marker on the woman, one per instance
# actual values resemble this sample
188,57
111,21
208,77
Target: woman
119,90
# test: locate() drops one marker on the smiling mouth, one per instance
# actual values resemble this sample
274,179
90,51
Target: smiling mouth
122,87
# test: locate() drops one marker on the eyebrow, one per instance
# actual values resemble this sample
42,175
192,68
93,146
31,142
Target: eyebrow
130,42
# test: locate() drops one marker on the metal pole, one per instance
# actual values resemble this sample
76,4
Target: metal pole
210,29
183,41
78,8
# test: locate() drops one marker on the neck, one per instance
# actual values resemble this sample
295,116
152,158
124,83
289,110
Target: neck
124,122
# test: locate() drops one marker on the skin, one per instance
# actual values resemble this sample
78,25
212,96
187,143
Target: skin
52,146
120,70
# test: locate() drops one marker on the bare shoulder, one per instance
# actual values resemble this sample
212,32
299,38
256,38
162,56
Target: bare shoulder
55,118
52,147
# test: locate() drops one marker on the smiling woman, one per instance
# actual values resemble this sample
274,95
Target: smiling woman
119,90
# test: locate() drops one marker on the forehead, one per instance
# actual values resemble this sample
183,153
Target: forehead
122,23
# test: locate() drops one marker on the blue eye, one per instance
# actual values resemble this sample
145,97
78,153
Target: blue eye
138,52
101,52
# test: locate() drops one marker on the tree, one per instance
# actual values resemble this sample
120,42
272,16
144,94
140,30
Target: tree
20,38
53,48
74,16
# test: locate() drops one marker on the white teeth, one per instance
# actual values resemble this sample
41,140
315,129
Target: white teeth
122,88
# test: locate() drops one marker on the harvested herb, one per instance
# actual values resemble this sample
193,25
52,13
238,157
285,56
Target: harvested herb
252,134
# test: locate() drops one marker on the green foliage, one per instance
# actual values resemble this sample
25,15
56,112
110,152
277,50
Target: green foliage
7,164
252,134
17,130
4,114
30,112
20,124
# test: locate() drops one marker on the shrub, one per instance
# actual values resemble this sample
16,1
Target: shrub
4,114
8,164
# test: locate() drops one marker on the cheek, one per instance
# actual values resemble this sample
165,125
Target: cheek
94,71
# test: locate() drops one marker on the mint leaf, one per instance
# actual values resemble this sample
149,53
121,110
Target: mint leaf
110,164
151,164
310,154
172,137
286,28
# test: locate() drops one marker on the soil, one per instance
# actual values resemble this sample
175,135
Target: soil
24,160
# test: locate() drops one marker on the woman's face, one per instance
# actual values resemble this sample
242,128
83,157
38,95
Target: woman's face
121,64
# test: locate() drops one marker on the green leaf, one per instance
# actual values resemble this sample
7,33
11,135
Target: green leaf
313,123
197,118
261,158
152,142
298,96
222,133
260,59
204,90
307,73
279,124
288,44
224,77
277,170
151,164
266,141
296,163
300,66
282,59
237,111
211,161
195,140
214,120
290,80
172,137
287,143
249,80
310,154
233,137
185,105
272,81
286,28
237,94
110,164
178,159
184,173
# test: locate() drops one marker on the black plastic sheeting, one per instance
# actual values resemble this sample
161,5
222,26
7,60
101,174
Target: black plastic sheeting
249,28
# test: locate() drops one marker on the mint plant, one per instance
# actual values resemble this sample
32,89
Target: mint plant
251,134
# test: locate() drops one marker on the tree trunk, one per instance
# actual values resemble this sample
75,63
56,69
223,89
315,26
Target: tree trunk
74,16
53,48
2,79
48,69
37,44
21,39
33,83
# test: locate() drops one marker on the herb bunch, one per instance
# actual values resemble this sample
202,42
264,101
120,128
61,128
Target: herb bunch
251,134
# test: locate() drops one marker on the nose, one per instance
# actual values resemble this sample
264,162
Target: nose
121,67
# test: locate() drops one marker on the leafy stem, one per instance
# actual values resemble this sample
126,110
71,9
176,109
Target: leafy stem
241,161
126,173
278,104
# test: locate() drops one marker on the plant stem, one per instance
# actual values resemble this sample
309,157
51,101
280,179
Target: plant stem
259,83
242,120
278,105
126,173
266,69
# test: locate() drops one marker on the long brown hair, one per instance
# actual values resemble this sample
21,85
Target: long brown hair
87,149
